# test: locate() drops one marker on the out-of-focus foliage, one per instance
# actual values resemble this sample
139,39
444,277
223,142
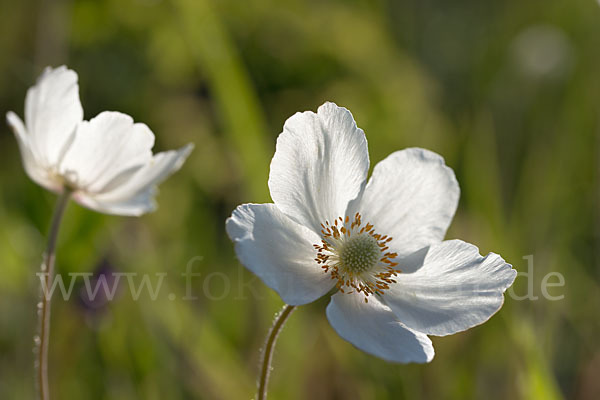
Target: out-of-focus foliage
507,91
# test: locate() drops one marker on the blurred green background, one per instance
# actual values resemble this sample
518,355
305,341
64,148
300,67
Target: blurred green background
507,91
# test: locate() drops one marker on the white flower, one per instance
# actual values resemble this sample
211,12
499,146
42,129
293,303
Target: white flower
107,162
379,243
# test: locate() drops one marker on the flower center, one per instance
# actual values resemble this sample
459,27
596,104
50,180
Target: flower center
359,253
356,256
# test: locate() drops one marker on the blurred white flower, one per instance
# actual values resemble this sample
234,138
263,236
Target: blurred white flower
107,162
379,243
543,51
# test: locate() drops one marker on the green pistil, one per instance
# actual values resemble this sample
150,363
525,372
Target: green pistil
359,253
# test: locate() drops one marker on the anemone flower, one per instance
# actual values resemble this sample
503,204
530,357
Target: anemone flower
105,164
378,244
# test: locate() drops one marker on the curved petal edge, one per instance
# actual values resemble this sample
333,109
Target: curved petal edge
373,328
279,251
454,289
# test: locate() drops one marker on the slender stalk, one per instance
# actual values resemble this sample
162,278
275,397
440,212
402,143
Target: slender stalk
44,311
280,320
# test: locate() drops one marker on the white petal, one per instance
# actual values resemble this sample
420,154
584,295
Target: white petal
278,250
52,112
109,145
412,197
133,193
134,206
373,328
320,164
454,289
35,171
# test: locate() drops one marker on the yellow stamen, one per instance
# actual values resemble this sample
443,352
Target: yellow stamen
356,256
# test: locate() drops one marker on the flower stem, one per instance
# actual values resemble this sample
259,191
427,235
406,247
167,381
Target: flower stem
280,320
44,311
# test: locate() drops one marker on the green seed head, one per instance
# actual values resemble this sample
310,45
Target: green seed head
360,253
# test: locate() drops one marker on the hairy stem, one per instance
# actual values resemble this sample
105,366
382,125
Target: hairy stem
265,371
46,277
